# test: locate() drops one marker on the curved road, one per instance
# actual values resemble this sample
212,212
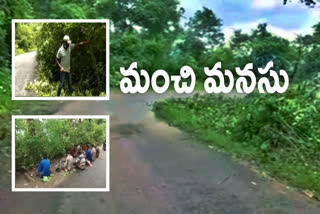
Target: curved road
155,168
158,169
25,72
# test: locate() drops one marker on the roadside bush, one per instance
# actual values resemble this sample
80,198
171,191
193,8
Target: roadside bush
269,121
88,63
279,132
54,137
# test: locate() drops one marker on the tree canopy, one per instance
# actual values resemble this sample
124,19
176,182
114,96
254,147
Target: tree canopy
88,62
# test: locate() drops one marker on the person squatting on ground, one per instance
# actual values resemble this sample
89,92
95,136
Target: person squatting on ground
68,164
97,152
44,167
80,161
93,152
79,149
89,157
63,59
85,147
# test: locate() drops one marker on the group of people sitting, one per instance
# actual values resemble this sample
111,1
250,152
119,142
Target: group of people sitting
78,157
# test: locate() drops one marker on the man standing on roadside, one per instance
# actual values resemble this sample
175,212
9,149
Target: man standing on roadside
63,60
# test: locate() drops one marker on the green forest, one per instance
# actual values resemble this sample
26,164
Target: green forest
280,133
54,137
25,37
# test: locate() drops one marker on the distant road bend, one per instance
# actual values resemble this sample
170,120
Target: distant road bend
25,72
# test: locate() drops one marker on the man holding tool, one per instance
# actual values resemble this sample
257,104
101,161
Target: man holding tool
63,61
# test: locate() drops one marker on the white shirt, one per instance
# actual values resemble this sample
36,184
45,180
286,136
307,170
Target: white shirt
93,152
64,55
69,162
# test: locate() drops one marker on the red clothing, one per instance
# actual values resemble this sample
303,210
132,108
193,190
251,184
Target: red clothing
73,151
85,148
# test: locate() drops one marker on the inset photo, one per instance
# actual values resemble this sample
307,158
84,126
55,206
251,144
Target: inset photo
60,59
60,153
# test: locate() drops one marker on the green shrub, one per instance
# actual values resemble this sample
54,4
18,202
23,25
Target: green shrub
25,37
280,132
88,63
54,137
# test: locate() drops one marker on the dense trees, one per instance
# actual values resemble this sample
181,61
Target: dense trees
206,26
88,63
54,137
151,33
25,38
200,43
144,31
153,17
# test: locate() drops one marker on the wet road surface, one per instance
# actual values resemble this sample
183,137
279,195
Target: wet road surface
159,169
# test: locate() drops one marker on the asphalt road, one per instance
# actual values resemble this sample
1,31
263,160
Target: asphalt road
91,177
159,169
155,168
25,72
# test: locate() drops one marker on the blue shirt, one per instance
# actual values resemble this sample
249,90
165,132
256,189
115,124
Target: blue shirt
44,167
89,155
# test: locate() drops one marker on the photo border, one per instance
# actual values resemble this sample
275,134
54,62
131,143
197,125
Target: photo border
14,21
13,160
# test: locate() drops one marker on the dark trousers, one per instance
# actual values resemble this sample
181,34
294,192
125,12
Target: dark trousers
62,77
